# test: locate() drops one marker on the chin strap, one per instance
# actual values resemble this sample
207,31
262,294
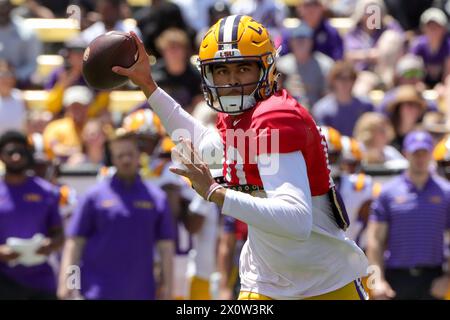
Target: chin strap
233,103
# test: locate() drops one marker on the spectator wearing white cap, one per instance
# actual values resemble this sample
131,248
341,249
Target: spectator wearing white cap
434,45
63,136
410,70
340,108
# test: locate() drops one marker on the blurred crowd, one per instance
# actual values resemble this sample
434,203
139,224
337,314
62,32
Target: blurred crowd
374,74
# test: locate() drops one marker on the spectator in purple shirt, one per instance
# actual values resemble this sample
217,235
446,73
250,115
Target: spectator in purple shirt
409,70
19,44
360,43
326,38
303,71
70,72
433,46
341,109
407,227
28,207
113,233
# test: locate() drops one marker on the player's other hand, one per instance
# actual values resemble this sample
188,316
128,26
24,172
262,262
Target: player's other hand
139,72
382,291
194,168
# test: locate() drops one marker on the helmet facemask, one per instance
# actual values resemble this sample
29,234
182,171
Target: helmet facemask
236,104
234,39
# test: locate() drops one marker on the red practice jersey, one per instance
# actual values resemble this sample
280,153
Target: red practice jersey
278,124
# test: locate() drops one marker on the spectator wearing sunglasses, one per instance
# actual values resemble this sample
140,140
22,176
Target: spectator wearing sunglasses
29,214
410,70
433,46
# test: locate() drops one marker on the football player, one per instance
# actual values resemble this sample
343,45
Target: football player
274,163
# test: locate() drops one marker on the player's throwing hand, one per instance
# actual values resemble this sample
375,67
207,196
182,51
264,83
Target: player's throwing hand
139,72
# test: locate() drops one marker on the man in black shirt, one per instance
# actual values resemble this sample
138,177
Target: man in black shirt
174,72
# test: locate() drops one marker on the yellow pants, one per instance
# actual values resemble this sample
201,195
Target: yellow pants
199,289
352,291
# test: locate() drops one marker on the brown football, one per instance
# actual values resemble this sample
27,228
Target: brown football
111,49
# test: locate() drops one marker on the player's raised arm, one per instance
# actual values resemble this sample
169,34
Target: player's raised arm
168,110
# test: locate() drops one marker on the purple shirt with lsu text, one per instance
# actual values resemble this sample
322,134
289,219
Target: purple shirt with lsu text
25,210
417,220
121,225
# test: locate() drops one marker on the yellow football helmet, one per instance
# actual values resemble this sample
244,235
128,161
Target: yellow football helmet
352,150
233,39
143,121
334,143
442,150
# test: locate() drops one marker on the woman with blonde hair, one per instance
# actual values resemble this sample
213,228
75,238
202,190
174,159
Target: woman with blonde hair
375,132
